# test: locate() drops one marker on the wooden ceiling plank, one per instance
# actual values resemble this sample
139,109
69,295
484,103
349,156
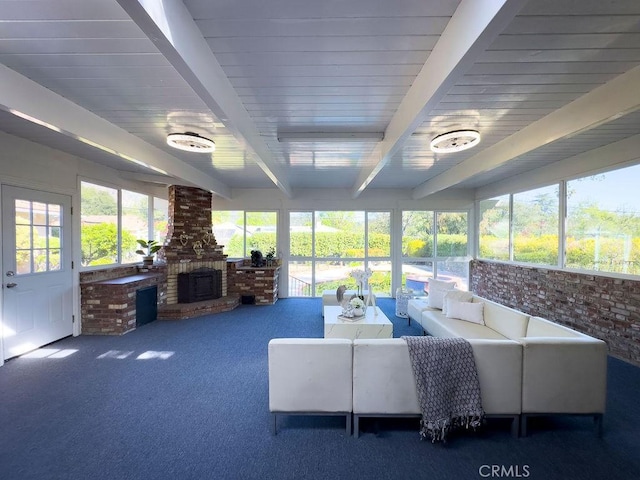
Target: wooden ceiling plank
609,101
25,98
171,27
472,28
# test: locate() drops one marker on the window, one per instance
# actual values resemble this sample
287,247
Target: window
38,236
99,225
494,228
535,226
602,230
434,244
112,220
240,232
135,223
379,250
160,219
452,247
326,246
603,222
417,249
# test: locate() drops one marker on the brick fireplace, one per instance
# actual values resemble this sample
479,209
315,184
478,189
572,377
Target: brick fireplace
191,246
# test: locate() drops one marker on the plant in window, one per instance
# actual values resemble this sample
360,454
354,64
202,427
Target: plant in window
148,250
270,256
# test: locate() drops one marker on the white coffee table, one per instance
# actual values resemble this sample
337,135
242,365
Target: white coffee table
369,325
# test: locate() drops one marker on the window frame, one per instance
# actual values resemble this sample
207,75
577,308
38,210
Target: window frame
150,220
563,219
314,260
435,258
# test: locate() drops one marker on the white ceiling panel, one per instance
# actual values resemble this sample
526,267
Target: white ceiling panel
247,71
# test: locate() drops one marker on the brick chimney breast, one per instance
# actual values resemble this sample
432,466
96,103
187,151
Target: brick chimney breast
190,243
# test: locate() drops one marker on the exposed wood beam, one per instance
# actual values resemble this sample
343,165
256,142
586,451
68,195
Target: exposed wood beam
170,26
25,98
472,28
156,179
607,102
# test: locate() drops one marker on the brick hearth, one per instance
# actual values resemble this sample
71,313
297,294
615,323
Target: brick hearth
183,311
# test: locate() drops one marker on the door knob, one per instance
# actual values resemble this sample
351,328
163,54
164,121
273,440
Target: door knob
11,285
10,273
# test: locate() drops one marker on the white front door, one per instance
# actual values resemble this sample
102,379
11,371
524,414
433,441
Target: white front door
37,281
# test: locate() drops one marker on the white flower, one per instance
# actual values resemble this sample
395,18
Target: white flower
361,276
356,302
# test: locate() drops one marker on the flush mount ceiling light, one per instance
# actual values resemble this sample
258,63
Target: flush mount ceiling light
455,141
190,142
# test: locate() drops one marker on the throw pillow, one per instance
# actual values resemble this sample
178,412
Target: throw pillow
467,311
437,290
455,295
443,284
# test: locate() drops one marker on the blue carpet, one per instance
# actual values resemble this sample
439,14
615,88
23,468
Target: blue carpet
189,400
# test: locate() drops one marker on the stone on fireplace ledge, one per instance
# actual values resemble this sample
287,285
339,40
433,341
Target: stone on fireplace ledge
183,311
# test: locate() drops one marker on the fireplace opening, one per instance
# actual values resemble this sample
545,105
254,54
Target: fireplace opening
199,285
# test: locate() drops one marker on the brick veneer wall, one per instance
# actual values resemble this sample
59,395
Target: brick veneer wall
603,307
190,222
110,308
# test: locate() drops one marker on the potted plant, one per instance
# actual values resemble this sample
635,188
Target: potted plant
358,306
148,250
270,257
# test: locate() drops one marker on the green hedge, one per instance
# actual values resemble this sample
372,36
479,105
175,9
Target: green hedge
615,255
380,283
449,245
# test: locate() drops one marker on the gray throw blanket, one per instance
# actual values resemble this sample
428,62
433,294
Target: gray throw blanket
447,383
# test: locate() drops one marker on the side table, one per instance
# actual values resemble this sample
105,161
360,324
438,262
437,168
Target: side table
402,302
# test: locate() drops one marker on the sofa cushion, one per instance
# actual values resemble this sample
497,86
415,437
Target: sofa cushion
438,325
540,327
455,295
467,311
437,291
504,320
415,308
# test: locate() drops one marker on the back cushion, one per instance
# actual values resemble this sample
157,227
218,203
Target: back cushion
540,327
504,320
455,295
468,311
437,291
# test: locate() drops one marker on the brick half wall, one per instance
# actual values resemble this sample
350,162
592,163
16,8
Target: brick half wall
603,307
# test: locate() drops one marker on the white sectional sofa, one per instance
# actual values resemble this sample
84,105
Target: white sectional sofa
563,371
373,378
526,366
